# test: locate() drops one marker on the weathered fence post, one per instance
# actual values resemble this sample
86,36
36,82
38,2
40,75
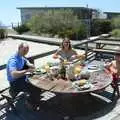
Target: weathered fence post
86,50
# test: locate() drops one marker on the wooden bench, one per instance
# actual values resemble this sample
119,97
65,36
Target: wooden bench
102,43
47,95
10,99
107,42
107,100
109,53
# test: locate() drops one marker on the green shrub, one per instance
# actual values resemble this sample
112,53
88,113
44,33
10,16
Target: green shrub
116,23
21,29
115,33
2,33
82,31
100,26
62,23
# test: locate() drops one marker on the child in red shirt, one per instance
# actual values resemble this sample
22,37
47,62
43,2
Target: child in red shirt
113,69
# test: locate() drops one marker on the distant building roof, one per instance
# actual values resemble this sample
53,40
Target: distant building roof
52,7
111,15
117,13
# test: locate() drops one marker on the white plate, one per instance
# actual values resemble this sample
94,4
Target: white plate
28,73
83,87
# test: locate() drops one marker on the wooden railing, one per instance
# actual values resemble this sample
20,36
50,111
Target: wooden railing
110,47
89,53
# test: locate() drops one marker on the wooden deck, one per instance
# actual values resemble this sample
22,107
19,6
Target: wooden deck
69,107
60,107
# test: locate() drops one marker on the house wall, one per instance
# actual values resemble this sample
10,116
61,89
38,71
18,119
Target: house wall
82,13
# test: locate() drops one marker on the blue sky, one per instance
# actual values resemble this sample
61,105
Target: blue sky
9,13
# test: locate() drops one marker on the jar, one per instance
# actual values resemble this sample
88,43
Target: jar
70,72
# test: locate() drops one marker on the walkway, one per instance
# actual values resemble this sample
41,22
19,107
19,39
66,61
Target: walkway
52,41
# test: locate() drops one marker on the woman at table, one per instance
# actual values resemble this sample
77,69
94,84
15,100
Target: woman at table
66,52
114,69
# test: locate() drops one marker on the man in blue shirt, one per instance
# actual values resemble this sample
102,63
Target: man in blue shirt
17,67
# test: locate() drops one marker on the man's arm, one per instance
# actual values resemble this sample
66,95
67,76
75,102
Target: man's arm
30,65
20,73
12,65
78,56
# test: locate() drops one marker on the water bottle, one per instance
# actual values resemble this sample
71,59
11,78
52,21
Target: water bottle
69,72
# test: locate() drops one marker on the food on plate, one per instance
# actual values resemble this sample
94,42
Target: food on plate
47,68
77,70
65,61
43,70
50,64
38,70
82,82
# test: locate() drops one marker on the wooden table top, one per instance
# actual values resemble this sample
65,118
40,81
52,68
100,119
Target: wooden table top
99,81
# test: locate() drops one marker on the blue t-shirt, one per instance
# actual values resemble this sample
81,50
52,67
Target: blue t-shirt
16,62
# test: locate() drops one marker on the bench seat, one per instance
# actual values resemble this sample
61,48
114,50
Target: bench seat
10,99
106,51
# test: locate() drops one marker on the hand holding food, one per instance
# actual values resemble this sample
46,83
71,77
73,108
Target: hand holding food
82,82
81,57
55,56
73,57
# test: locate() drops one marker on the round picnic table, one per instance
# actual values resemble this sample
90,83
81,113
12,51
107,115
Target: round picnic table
98,80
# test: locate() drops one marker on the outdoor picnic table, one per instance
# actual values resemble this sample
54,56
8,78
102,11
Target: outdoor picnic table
98,80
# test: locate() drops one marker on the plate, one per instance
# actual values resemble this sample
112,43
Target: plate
43,71
86,85
28,73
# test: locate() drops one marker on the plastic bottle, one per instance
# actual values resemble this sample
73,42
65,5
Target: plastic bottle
70,72
63,71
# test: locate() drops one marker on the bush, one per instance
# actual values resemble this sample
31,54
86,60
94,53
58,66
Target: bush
58,22
2,33
116,23
100,26
21,29
115,33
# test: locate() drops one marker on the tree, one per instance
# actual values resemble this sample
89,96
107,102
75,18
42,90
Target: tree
116,23
3,32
